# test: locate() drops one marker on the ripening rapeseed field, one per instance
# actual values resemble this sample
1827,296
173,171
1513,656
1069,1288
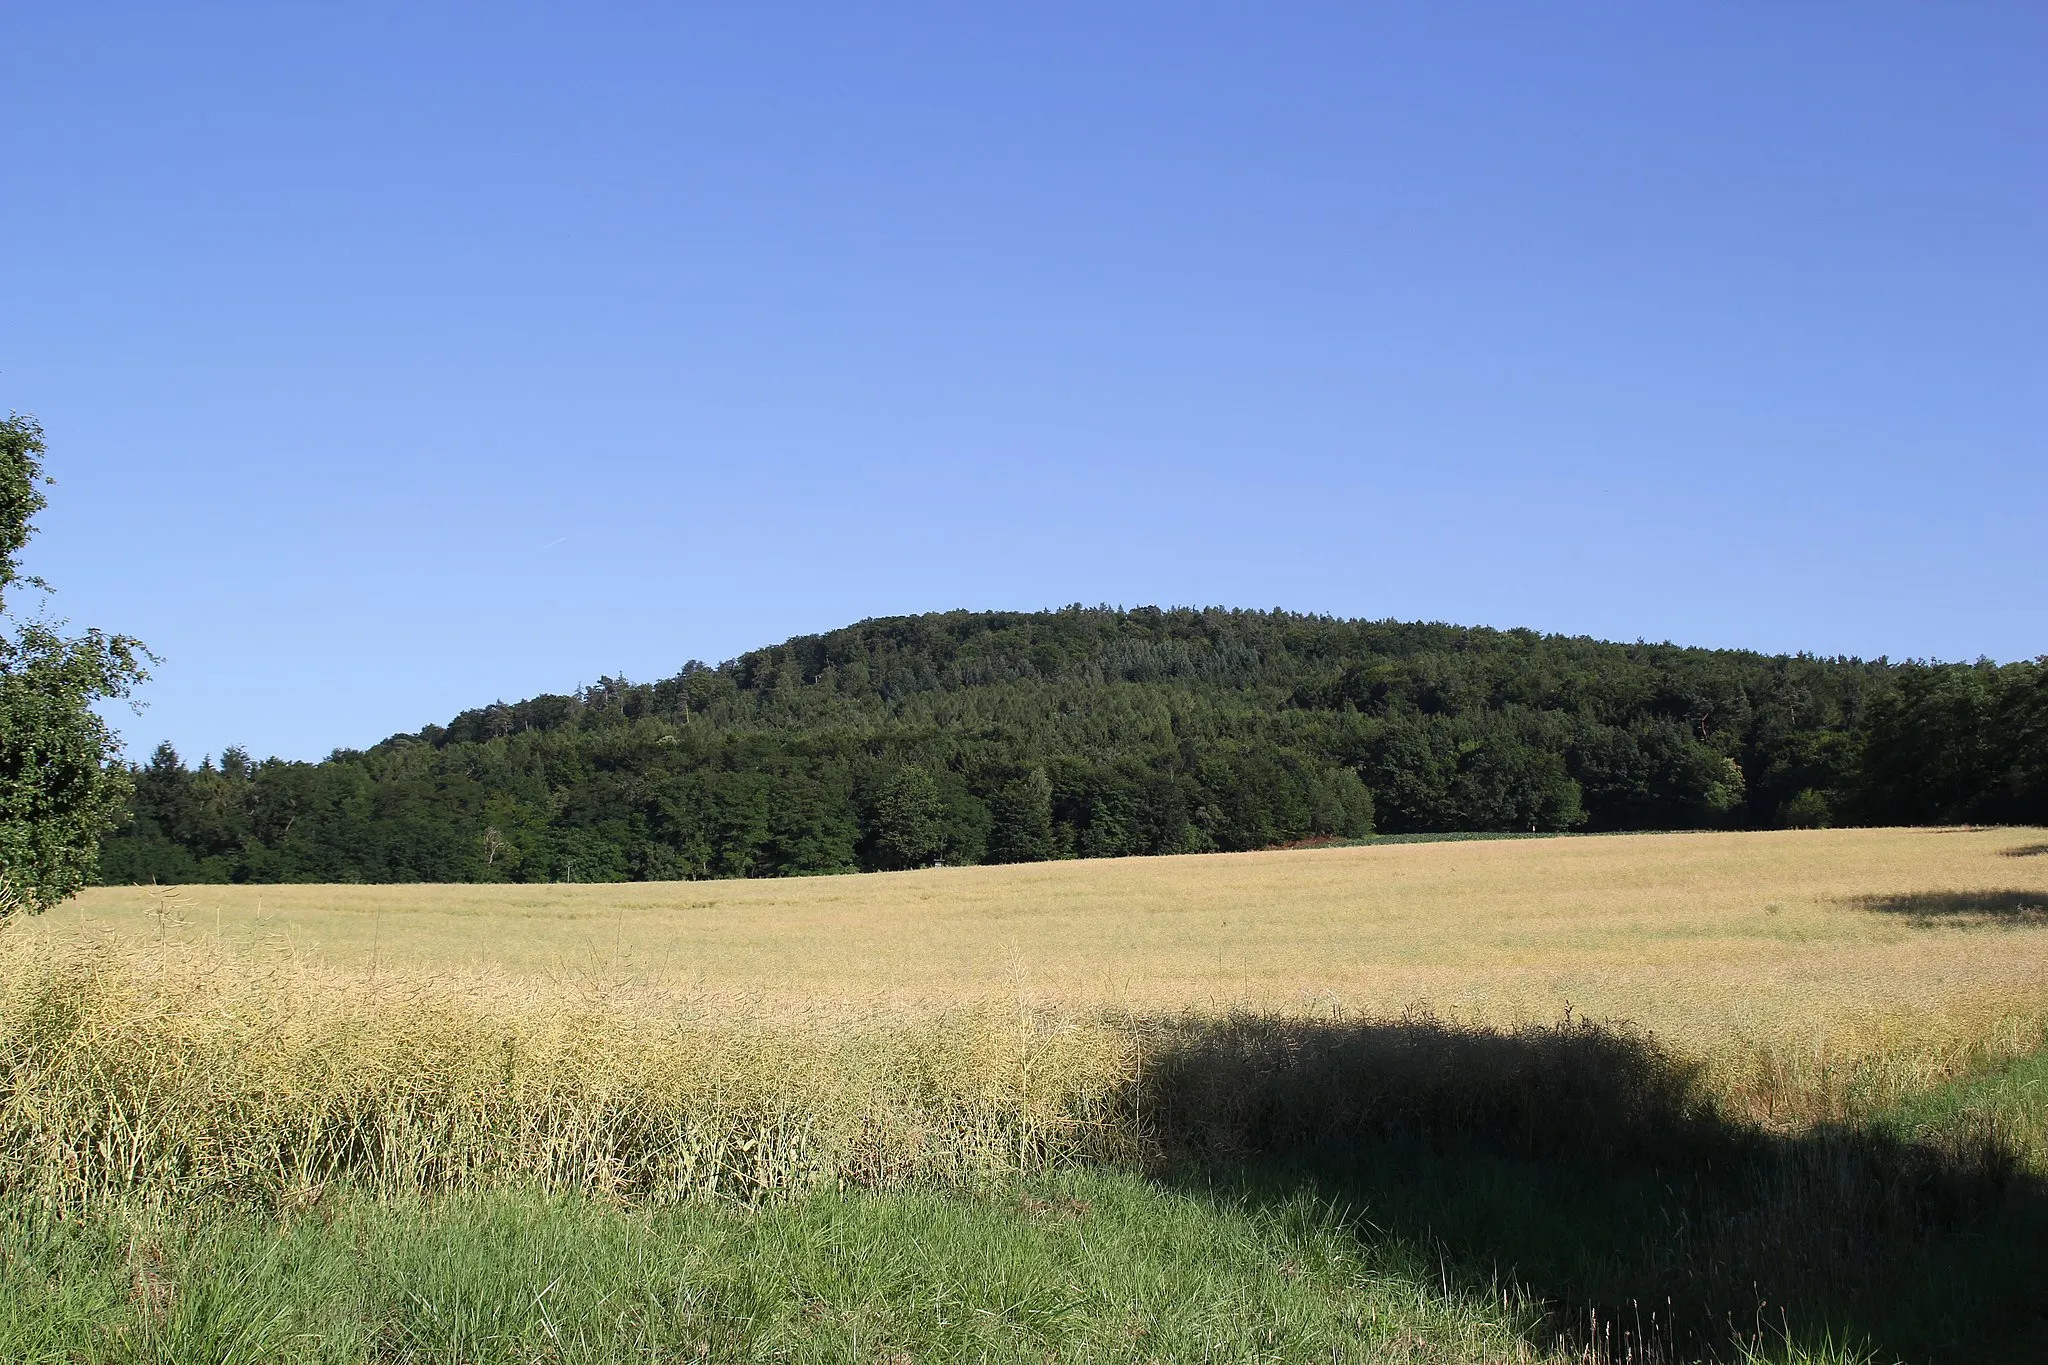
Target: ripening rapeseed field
1813,950
1793,1073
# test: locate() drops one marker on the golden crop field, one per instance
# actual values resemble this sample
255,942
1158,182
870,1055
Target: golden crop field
675,1037
1698,936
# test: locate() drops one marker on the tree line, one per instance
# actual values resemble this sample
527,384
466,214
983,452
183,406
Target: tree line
969,737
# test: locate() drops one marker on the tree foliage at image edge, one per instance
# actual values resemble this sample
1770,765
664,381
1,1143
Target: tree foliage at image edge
61,785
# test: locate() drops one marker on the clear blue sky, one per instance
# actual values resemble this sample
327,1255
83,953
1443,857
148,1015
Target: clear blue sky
398,359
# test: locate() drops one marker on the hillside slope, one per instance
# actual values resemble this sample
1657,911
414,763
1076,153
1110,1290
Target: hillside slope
967,737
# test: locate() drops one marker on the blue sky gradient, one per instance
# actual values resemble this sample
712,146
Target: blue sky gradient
398,359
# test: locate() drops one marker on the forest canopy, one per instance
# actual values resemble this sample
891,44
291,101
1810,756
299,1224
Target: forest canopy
967,737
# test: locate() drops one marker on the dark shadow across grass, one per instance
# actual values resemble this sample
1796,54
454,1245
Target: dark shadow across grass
1583,1165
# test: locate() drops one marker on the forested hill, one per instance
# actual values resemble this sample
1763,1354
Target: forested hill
992,736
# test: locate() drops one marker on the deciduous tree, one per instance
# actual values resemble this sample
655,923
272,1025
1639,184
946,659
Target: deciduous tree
61,786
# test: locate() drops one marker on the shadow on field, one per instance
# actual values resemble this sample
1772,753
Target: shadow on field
2027,851
1582,1164
1935,907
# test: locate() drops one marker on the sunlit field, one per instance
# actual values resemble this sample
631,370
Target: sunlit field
1790,1086
1821,945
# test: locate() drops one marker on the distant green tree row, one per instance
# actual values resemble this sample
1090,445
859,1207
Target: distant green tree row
970,737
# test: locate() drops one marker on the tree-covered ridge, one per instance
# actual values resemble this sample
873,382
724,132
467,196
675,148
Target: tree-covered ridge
1003,736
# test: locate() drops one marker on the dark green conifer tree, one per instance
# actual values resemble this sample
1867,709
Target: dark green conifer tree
1020,829
909,819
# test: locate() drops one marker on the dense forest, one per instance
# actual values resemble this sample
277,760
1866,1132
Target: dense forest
970,737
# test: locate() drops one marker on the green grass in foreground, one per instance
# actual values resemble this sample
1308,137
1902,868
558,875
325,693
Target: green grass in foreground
1890,1242
1079,1266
